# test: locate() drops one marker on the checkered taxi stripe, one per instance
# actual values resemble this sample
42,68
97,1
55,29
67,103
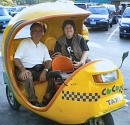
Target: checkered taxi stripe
77,96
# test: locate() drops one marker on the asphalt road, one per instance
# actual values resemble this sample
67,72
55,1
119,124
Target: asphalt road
103,44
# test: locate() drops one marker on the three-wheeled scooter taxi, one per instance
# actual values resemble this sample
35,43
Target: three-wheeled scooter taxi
87,95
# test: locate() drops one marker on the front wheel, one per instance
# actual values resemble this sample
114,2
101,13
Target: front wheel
11,99
103,120
106,28
110,24
121,35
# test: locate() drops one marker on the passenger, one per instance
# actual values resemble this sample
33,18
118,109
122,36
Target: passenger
32,61
72,45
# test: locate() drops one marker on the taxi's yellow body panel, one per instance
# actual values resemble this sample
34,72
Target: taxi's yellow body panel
82,98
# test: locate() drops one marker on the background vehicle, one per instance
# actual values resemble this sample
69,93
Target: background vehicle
14,10
4,17
100,17
113,11
17,10
85,33
124,24
83,5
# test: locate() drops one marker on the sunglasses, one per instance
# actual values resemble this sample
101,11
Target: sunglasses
37,31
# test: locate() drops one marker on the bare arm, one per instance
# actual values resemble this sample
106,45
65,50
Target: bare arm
18,64
47,64
84,57
82,60
43,74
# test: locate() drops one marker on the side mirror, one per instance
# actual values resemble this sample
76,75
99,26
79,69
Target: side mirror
123,57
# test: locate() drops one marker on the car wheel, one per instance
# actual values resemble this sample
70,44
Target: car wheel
110,24
115,21
11,99
121,36
106,28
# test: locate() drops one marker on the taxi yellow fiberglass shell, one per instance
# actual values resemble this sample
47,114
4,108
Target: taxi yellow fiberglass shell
88,95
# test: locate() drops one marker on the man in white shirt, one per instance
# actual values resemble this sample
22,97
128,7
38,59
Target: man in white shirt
32,61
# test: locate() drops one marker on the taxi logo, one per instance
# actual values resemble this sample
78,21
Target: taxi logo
113,101
115,88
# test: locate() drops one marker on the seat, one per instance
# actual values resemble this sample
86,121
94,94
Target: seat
50,43
65,65
62,63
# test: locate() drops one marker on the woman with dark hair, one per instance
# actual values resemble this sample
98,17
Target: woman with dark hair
72,45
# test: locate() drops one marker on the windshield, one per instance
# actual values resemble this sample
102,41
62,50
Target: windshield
112,8
98,10
19,9
3,12
126,13
81,6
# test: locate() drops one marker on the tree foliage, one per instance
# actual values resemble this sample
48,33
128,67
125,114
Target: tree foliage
23,2
6,2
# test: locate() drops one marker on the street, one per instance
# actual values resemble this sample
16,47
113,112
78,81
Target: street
102,44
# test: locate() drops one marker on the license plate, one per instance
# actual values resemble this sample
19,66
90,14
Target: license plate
93,22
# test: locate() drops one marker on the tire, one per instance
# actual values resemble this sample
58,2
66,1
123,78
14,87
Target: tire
110,24
121,35
11,99
114,21
103,120
106,28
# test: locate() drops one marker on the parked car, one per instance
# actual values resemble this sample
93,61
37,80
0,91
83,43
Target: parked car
14,10
114,12
17,10
100,17
10,9
83,5
124,24
4,17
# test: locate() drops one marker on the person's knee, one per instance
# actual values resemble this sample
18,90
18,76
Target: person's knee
30,78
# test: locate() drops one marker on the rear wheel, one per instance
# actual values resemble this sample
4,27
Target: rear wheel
104,120
115,21
110,24
11,99
106,28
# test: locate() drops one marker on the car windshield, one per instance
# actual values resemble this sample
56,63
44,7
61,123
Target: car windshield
126,13
98,10
112,8
3,12
81,6
19,9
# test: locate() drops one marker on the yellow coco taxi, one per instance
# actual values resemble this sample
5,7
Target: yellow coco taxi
85,33
88,95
